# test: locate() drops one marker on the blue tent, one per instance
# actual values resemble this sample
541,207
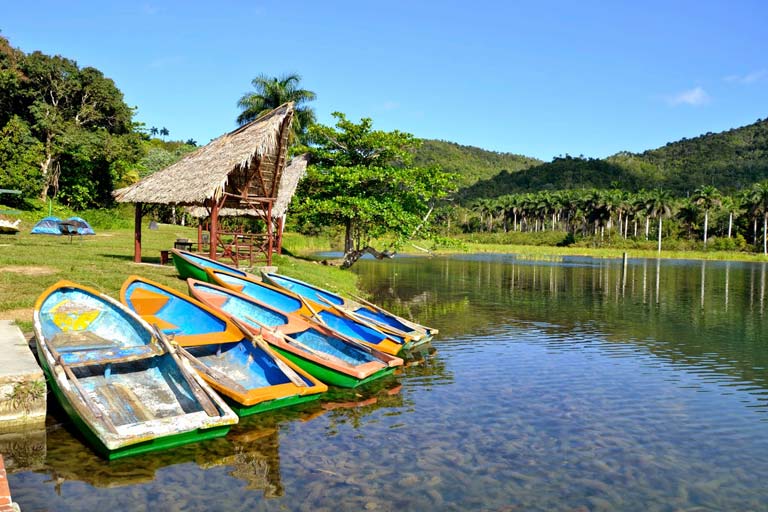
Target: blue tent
83,228
47,226
56,226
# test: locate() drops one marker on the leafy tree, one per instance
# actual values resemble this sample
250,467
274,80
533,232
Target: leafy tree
758,205
362,179
154,131
20,154
270,93
164,132
66,102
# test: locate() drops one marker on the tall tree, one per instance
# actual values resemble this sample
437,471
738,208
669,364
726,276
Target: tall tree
270,93
362,180
706,198
659,205
758,203
67,103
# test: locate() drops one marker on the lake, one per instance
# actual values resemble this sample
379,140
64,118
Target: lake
571,384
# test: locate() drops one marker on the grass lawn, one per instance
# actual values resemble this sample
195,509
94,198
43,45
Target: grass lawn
306,246
31,263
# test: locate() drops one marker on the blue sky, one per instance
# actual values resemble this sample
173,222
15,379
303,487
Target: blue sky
539,78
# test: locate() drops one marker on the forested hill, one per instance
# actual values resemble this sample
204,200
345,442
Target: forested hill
470,163
729,160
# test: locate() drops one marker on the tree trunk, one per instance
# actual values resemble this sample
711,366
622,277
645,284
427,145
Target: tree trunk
730,223
659,234
754,231
46,166
348,242
647,226
765,232
352,256
706,226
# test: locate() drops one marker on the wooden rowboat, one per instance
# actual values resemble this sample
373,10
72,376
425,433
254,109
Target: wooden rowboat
318,350
242,368
126,390
362,310
358,329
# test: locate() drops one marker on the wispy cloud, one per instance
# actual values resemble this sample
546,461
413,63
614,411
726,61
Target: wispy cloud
391,105
694,97
749,78
150,9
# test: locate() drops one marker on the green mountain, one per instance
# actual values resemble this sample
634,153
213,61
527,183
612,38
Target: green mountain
729,160
470,163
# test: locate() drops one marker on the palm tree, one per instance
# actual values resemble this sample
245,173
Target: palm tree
758,202
732,205
153,131
270,93
706,197
659,205
164,132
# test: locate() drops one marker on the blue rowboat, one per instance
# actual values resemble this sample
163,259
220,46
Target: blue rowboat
318,350
362,310
287,301
242,368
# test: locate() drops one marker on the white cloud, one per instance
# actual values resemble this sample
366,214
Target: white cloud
695,97
749,78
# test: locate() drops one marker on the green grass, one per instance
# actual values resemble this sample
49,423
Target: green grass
477,244
535,248
31,263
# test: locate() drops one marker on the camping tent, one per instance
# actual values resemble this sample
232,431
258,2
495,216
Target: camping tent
47,226
56,226
83,228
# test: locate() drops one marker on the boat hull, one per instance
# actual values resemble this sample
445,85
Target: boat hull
151,445
331,376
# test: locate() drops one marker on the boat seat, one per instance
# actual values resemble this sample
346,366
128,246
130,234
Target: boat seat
73,341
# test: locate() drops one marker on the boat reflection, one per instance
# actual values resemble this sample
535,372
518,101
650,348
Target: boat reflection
250,452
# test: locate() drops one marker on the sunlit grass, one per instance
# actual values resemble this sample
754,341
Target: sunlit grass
31,263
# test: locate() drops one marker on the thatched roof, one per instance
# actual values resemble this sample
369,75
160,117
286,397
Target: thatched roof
292,174
248,161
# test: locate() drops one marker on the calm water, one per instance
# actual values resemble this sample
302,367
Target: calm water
560,385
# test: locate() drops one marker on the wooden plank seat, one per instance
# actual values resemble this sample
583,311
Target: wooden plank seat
85,348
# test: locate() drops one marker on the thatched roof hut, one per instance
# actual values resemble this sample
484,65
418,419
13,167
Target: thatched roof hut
248,160
294,171
242,169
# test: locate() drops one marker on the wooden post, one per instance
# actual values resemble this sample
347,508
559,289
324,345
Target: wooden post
137,234
200,235
270,233
214,228
280,223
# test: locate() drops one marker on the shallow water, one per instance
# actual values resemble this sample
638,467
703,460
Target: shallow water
568,384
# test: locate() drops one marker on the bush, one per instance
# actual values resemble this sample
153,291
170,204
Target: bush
736,243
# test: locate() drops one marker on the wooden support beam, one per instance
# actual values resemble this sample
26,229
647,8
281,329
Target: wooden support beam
137,233
214,228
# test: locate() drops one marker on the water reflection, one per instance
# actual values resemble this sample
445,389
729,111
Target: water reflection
706,314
